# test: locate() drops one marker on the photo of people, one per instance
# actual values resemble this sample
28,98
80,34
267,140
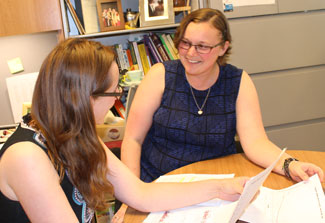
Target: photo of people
156,8
110,15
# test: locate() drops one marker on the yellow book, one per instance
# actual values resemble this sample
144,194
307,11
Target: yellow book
170,48
171,43
144,58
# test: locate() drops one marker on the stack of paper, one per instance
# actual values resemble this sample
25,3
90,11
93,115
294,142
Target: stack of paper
302,202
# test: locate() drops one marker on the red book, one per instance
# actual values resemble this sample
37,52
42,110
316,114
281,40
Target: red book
128,53
120,108
159,46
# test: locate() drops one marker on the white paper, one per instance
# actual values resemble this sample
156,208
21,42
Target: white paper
302,202
192,177
251,188
204,212
20,90
237,3
215,210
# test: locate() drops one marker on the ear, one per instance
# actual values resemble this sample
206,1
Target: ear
224,49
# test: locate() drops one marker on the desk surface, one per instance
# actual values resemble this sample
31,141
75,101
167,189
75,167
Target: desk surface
234,164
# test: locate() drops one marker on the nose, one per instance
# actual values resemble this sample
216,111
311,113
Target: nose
191,50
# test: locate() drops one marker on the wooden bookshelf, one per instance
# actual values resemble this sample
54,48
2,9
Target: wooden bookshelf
127,31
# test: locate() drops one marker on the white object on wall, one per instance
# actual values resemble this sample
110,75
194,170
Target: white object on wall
20,90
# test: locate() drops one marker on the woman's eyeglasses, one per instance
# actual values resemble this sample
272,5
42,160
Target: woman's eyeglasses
202,49
118,93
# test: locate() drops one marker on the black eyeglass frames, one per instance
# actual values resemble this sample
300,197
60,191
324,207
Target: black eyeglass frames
202,49
118,93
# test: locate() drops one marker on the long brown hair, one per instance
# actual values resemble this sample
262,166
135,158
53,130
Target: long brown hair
61,109
216,18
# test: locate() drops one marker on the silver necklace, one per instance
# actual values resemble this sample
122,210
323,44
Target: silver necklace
200,112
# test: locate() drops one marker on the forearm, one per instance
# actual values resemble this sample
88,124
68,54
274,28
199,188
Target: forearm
166,196
131,155
263,152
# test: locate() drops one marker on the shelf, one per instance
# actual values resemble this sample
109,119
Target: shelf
126,31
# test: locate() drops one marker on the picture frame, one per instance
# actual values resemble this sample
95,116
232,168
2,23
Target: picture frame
110,15
156,12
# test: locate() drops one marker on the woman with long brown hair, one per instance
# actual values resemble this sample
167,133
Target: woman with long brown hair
54,168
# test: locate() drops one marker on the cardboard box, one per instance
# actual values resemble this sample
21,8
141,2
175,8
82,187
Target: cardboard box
111,132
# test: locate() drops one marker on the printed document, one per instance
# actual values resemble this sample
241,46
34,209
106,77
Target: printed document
298,203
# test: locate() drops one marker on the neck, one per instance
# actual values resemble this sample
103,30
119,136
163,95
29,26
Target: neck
205,80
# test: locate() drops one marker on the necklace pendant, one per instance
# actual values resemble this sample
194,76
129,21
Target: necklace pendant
200,112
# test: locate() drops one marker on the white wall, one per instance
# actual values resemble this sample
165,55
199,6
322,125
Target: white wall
32,50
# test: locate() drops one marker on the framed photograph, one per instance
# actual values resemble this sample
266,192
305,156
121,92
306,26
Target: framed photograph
156,12
110,15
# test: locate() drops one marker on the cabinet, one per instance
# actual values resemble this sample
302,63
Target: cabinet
282,47
29,16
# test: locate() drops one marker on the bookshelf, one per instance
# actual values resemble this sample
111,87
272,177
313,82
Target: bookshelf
128,31
125,4
121,37
114,37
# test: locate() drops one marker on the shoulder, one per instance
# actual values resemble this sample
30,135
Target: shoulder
232,71
172,66
156,74
24,152
23,162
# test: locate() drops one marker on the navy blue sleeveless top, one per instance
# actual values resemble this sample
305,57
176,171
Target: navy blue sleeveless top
12,211
179,135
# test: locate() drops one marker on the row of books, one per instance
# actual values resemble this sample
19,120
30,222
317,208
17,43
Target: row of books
141,55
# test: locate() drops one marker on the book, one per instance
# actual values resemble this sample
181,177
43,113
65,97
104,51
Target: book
143,57
171,43
159,46
171,50
128,53
148,55
117,59
126,59
133,57
120,109
137,54
163,41
153,52
120,57
156,50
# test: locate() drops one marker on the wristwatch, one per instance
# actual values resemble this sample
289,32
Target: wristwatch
286,164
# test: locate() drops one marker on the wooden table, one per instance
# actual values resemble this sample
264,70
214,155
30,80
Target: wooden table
241,166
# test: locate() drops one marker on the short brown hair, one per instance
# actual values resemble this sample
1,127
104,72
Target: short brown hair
216,18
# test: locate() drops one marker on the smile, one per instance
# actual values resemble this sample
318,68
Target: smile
193,61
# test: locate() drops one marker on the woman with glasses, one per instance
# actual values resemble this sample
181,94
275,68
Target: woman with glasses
190,109
55,168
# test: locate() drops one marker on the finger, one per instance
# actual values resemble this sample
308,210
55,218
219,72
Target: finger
115,219
319,172
302,175
321,175
239,186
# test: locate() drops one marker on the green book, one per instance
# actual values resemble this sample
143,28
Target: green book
166,47
134,58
